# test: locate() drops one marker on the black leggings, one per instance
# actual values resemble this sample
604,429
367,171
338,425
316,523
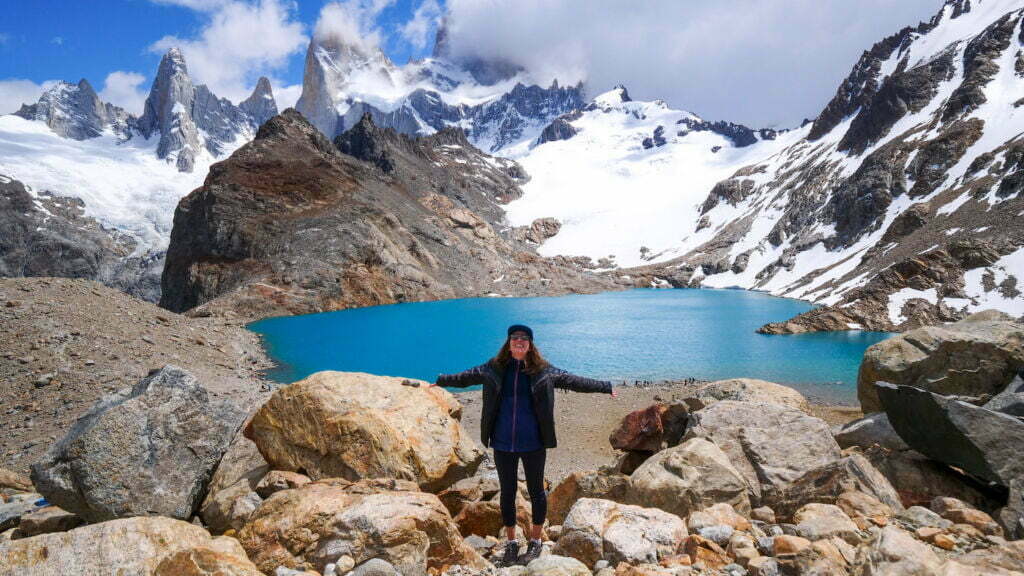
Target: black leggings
507,464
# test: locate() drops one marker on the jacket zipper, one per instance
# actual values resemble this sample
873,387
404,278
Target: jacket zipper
515,403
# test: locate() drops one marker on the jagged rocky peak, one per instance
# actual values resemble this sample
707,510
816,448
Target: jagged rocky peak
260,105
191,119
168,111
332,64
76,111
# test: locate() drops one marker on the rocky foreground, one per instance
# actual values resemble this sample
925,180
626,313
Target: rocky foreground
67,342
345,473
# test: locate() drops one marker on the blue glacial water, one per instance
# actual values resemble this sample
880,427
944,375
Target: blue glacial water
631,335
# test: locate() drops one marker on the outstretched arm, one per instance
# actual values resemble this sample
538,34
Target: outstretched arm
567,381
463,379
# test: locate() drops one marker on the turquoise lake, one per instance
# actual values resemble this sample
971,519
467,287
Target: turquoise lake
644,334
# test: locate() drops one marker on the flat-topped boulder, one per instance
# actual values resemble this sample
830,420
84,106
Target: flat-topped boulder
975,359
750,390
771,445
129,546
149,449
353,425
319,523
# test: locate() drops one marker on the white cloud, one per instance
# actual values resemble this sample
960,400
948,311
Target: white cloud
16,91
125,89
352,22
240,42
285,96
58,40
749,61
417,30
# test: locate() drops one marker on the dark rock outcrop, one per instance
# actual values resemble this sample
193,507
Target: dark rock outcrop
48,235
559,129
290,224
980,67
979,441
149,449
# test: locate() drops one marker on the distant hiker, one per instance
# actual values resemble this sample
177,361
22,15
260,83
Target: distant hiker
518,422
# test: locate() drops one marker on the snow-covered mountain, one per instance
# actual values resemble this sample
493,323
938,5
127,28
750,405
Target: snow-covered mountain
497,105
129,172
900,204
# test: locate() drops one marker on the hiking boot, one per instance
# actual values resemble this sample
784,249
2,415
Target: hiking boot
511,556
533,549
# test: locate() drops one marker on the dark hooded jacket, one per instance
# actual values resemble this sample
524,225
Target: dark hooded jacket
542,388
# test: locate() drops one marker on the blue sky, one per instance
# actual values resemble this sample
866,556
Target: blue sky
71,39
751,61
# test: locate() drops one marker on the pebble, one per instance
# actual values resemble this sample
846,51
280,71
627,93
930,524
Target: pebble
147,339
25,359
944,541
44,380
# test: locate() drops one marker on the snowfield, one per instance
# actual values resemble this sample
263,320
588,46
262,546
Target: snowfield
123,184
615,197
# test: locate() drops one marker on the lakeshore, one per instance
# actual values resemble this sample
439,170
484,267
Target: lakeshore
584,421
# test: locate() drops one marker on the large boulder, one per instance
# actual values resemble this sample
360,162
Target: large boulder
318,523
650,429
771,445
694,475
126,547
604,484
918,480
604,530
974,358
231,497
868,431
827,483
148,449
354,425
750,390
979,441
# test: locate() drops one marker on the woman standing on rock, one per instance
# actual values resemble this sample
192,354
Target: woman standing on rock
518,422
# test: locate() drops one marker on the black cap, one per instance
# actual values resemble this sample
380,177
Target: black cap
520,328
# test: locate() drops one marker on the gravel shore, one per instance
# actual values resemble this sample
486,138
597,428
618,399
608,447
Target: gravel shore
584,421
67,342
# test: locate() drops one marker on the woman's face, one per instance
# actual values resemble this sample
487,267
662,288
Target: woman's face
518,344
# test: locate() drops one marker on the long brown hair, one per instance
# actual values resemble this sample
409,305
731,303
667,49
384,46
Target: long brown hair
533,360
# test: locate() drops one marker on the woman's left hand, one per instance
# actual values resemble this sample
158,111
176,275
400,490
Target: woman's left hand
615,394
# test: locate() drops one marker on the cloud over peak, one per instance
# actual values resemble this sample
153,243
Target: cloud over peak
239,42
